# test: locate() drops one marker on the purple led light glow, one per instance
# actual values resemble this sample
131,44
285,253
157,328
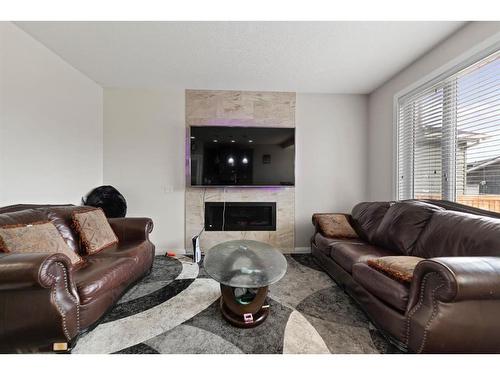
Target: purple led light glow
228,122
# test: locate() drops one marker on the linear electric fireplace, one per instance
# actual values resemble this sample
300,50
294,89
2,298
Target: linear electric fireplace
240,216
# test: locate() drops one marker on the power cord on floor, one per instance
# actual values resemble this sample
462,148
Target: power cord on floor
203,205
224,209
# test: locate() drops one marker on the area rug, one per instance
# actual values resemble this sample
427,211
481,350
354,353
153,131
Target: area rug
176,310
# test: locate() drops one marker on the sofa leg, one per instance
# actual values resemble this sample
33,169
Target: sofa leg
60,347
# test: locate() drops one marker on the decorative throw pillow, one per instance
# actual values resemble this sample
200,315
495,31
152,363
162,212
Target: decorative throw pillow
94,230
335,225
40,237
400,268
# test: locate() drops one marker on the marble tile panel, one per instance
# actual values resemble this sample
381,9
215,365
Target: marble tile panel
284,236
249,108
253,108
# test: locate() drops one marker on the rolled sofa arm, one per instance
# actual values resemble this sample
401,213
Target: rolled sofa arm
463,278
132,228
453,306
39,305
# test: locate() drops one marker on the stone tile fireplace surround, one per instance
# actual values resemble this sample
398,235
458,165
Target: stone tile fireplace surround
246,108
240,216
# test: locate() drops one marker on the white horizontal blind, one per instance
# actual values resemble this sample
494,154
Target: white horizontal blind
420,145
449,138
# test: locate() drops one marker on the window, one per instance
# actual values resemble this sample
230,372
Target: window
449,138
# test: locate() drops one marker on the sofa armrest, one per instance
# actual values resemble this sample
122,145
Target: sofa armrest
30,270
462,278
453,306
38,301
132,228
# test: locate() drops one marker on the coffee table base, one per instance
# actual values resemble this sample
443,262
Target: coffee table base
244,315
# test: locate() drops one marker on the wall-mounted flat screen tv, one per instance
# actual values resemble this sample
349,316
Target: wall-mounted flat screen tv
241,156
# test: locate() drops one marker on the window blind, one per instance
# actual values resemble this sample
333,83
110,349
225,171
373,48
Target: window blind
449,138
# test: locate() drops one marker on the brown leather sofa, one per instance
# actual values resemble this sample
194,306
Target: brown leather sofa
44,300
452,304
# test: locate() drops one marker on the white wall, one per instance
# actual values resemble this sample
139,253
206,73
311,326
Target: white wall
53,147
51,137
380,129
50,124
331,157
144,135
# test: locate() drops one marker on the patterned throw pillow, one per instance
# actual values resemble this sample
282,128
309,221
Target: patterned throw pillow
334,226
399,268
94,230
40,237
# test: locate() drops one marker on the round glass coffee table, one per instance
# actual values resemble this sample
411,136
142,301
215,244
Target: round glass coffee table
244,269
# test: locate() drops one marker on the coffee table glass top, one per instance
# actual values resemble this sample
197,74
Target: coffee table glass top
245,264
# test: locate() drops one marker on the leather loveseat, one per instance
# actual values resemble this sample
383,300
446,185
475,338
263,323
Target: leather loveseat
452,304
45,302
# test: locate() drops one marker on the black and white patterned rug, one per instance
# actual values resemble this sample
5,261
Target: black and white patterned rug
176,310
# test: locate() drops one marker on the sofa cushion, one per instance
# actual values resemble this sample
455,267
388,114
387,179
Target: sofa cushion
366,217
61,217
334,225
130,249
94,230
41,237
141,251
101,274
323,243
399,268
388,290
26,216
402,224
346,253
24,206
451,233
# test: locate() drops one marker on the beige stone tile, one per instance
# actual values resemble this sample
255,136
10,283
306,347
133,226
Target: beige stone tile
209,107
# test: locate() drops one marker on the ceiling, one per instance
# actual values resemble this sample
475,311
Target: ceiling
323,57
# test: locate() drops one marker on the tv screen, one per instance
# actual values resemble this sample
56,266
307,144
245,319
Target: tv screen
242,156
